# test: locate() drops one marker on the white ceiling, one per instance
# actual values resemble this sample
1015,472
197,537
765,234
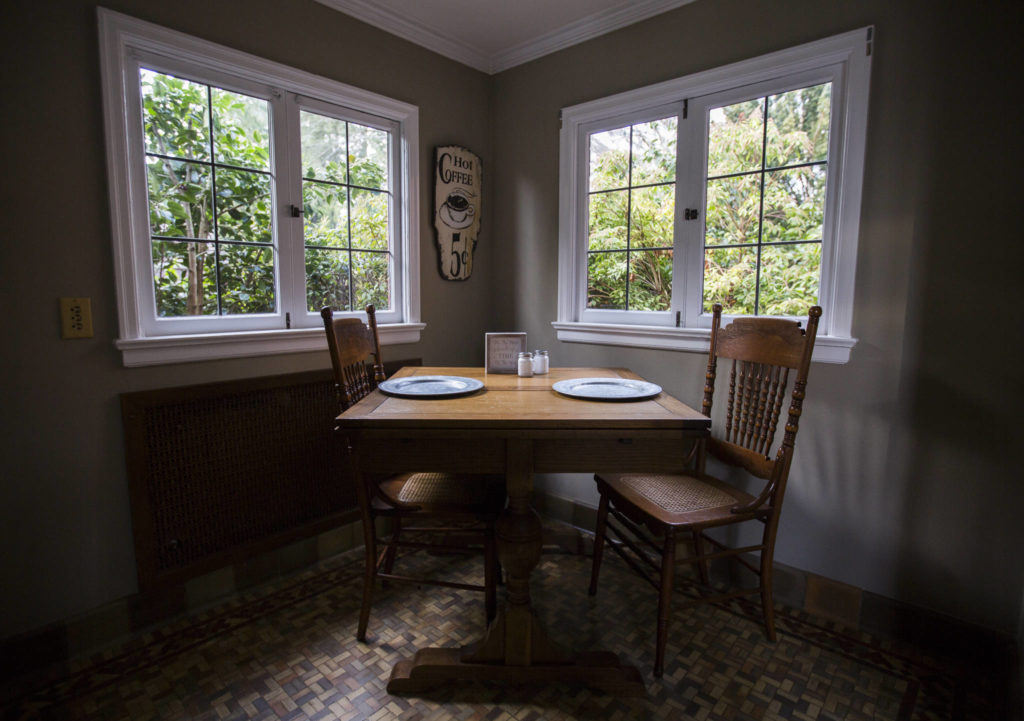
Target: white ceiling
494,35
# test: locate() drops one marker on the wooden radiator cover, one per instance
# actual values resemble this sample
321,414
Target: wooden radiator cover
219,472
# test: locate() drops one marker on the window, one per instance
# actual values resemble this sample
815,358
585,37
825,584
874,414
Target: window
738,186
246,195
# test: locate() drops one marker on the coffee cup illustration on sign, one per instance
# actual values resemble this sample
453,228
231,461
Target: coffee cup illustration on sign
457,212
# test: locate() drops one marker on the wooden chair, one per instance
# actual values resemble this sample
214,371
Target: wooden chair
652,513
465,505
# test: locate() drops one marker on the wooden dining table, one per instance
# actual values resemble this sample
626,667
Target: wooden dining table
517,427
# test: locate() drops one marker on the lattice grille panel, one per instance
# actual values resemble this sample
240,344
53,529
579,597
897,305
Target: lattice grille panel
218,468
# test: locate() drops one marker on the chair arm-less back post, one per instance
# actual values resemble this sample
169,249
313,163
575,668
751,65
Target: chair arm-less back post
709,380
378,364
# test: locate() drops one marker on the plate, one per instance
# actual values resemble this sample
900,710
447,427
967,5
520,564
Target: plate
607,389
430,386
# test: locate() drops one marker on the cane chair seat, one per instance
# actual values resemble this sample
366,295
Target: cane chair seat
676,499
445,492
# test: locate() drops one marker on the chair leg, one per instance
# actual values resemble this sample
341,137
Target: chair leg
668,562
767,605
702,566
599,533
369,577
491,570
389,553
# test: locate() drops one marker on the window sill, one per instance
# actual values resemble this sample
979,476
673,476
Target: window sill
827,349
213,346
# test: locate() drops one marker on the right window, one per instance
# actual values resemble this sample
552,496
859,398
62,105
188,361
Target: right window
764,202
738,186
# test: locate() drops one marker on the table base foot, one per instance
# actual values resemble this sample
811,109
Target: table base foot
432,667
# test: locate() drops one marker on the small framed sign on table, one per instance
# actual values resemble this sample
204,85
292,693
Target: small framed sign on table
501,351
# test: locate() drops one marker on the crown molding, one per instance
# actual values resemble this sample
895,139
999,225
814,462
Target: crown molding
431,38
410,30
580,31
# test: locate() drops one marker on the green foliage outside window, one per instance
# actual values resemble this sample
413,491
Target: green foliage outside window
346,201
762,254
771,264
210,204
209,198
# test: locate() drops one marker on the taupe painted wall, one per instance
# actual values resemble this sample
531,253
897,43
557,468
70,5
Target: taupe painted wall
65,527
902,483
900,486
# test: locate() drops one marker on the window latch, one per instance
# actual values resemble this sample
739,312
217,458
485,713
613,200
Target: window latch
691,214
296,211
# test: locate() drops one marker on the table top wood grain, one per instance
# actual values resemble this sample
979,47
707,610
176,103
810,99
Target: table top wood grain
508,401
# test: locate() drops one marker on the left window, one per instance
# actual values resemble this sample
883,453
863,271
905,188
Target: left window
246,195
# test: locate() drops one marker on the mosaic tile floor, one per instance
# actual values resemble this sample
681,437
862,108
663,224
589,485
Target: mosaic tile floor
287,651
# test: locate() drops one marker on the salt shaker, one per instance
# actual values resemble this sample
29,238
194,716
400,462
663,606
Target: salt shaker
525,364
540,362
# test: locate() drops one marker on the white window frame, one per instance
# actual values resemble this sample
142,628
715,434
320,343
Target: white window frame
844,60
127,43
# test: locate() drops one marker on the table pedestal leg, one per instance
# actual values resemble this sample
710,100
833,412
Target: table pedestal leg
516,647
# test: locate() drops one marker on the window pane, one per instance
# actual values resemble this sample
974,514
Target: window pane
369,220
243,206
325,214
735,138
650,280
789,278
368,156
246,279
324,147
326,279
371,280
730,278
606,280
175,116
179,198
652,217
794,204
609,159
608,220
733,208
241,129
654,152
798,125
184,278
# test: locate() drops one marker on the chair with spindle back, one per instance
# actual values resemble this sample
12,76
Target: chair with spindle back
651,513
465,505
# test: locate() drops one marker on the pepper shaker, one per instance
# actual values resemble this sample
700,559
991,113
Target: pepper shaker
525,364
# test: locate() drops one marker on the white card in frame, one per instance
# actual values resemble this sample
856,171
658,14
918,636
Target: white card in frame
501,351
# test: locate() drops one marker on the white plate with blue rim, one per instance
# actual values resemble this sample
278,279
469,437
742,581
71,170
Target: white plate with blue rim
430,386
607,389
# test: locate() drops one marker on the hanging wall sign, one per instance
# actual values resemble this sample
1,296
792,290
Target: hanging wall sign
456,209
